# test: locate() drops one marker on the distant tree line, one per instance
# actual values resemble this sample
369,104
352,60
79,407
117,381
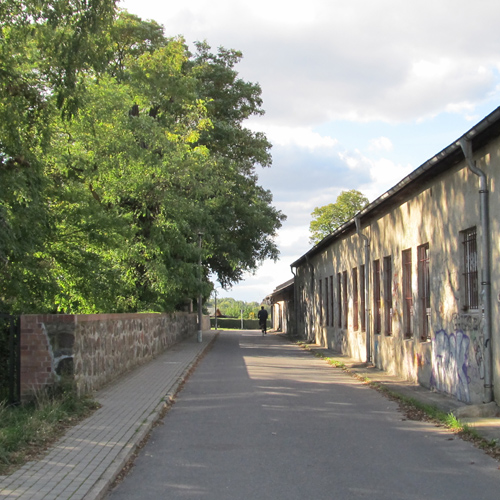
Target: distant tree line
232,308
117,148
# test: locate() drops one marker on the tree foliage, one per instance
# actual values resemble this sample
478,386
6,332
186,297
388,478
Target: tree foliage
232,308
329,217
117,148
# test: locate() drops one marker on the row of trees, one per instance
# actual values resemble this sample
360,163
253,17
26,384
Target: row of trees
232,308
117,148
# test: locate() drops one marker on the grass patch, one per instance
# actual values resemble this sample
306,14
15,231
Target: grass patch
27,430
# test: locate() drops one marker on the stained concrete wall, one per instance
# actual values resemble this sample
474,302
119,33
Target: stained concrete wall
97,348
452,359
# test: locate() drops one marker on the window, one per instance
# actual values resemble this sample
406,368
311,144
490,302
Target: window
327,309
407,294
339,299
376,296
344,297
331,300
388,295
424,290
470,276
320,302
362,296
355,298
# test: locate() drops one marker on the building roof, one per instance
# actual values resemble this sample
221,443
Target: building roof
479,135
284,287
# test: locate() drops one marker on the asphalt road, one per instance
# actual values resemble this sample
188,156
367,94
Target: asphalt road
262,419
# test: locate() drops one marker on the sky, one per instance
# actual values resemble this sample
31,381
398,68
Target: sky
357,93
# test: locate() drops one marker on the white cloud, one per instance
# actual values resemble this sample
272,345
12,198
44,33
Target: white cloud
411,68
381,144
303,137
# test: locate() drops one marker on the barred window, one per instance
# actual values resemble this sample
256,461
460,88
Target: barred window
470,275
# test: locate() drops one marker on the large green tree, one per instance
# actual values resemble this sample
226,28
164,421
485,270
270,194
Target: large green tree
44,46
126,146
329,217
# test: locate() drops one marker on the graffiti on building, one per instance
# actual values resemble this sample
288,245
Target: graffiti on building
449,364
467,323
472,324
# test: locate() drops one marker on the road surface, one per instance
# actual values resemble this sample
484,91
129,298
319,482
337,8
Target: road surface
261,418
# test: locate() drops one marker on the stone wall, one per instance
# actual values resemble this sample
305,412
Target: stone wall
94,349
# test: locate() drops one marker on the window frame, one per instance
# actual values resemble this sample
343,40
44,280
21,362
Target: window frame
332,302
377,298
355,299
388,295
362,292
345,300
424,290
406,261
470,274
339,299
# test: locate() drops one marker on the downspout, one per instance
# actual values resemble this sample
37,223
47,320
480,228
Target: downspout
367,282
466,146
295,329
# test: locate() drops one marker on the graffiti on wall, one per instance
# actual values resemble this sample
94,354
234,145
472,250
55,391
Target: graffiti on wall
450,363
473,325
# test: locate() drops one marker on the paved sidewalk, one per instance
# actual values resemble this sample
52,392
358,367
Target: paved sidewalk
485,419
87,459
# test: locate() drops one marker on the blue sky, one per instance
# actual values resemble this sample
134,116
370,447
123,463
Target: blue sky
357,94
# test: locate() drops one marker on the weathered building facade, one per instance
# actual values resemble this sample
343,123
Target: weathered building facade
412,283
282,308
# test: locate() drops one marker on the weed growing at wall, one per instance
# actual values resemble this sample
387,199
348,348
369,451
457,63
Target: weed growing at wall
26,431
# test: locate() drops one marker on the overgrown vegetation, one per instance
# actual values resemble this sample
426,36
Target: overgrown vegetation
413,409
26,431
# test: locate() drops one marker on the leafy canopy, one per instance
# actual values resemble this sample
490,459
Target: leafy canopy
117,147
330,217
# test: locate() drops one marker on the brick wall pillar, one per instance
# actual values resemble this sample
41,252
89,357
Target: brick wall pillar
36,361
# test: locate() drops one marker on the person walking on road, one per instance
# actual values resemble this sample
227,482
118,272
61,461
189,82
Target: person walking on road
262,315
